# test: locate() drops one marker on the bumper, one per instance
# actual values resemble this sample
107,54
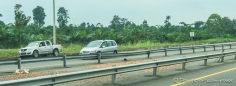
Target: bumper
25,53
86,53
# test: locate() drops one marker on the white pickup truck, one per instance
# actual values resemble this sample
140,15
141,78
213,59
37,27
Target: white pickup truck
40,48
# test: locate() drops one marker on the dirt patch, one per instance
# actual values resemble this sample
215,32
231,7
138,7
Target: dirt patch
119,63
30,75
95,80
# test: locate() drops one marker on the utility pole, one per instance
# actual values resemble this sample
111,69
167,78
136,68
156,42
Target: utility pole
54,29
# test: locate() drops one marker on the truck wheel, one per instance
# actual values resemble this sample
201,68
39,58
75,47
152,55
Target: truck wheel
55,52
35,54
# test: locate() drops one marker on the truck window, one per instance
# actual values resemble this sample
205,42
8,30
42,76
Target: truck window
48,43
43,44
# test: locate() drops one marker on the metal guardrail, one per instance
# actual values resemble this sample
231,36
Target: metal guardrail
62,78
19,61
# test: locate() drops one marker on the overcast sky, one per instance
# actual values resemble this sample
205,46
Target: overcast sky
102,11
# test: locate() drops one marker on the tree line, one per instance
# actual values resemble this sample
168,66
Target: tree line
21,32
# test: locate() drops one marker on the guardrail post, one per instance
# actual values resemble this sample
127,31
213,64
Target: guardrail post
205,62
204,48
214,47
19,63
222,58
166,52
180,50
64,60
183,65
230,46
155,69
99,57
148,52
113,77
222,46
235,56
193,49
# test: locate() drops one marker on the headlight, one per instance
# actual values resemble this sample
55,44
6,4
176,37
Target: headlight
93,51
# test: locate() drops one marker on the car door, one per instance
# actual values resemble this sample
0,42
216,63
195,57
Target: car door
103,47
48,47
109,46
114,45
42,48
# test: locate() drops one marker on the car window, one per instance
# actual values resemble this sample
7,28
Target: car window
94,44
104,44
48,43
109,43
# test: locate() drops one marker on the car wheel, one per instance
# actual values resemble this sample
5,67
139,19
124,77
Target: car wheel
98,53
115,52
35,54
55,52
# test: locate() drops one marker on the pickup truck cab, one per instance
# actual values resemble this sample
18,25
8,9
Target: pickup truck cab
100,46
40,48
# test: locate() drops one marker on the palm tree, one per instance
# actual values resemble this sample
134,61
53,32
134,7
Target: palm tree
20,19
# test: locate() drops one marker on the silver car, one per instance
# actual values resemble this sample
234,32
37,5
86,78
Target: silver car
100,46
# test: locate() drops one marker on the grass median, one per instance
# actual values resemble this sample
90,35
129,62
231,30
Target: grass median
71,49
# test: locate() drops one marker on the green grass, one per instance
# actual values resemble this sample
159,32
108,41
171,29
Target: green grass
70,49
152,45
9,53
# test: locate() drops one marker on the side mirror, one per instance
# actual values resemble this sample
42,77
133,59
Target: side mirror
40,45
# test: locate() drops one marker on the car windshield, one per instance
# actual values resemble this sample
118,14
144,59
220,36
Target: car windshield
32,44
94,44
